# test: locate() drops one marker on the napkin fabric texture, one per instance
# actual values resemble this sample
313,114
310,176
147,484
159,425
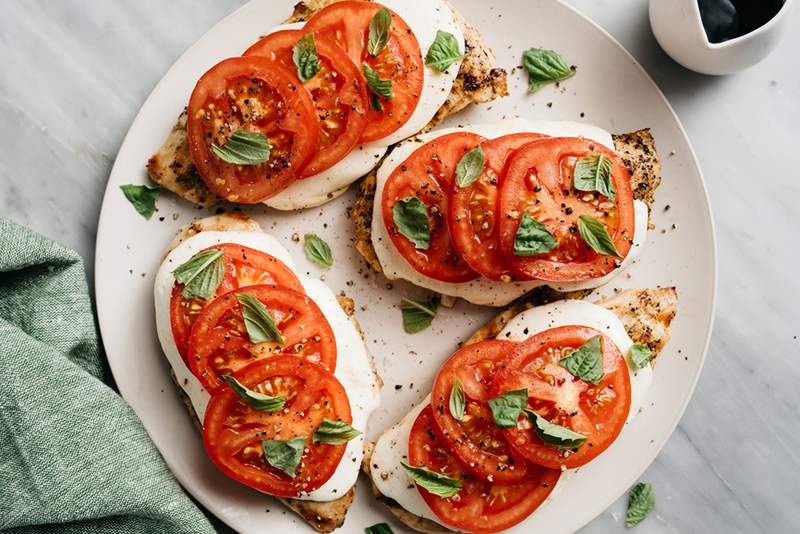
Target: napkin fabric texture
73,455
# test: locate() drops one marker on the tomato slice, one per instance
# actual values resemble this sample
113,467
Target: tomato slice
473,210
538,180
596,411
428,173
400,61
244,266
253,94
480,506
219,343
338,91
477,442
233,430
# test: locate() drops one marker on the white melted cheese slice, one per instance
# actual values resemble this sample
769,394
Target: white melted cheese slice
353,368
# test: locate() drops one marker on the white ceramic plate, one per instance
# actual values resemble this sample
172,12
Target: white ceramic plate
610,90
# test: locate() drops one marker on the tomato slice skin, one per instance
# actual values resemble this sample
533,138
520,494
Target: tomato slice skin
480,506
473,210
538,179
219,343
256,94
233,430
475,440
596,411
244,266
428,174
338,91
347,23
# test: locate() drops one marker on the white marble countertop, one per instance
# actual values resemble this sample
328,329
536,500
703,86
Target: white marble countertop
76,73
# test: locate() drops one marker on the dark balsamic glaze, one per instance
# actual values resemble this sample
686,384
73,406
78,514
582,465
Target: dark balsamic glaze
727,19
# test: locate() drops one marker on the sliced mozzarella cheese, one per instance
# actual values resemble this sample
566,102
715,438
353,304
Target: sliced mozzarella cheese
392,447
483,291
424,17
353,367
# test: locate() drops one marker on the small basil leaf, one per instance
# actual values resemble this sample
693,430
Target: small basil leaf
641,501
261,327
304,55
507,407
317,250
457,400
586,362
469,167
410,215
594,233
380,528
202,274
436,483
376,84
444,51
284,455
379,27
639,355
553,434
142,197
244,148
376,102
532,238
593,173
334,432
544,66
418,315
259,401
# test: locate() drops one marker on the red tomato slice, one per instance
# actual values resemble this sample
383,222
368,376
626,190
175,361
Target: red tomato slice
244,266
219,344
233,430
338,91
477,442
473,210
538,180
428,173
347,23
480,506
253,94
596,411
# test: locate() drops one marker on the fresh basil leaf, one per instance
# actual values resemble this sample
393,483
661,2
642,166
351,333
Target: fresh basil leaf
376,102
202,274
544,66
436,483
593,173
244,147
641,501
410,215
380,528
553,434
284,455
444,51
469,167
639,355
532,238
142,197
376,84
261,327
317,250
304,55
259,401
594,233
458,402
334,432
418,315
586,362
379,27
507,407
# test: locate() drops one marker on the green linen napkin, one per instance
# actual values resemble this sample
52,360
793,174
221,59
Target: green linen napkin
73,455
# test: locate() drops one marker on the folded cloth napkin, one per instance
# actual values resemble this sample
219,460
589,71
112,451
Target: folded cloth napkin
73,455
